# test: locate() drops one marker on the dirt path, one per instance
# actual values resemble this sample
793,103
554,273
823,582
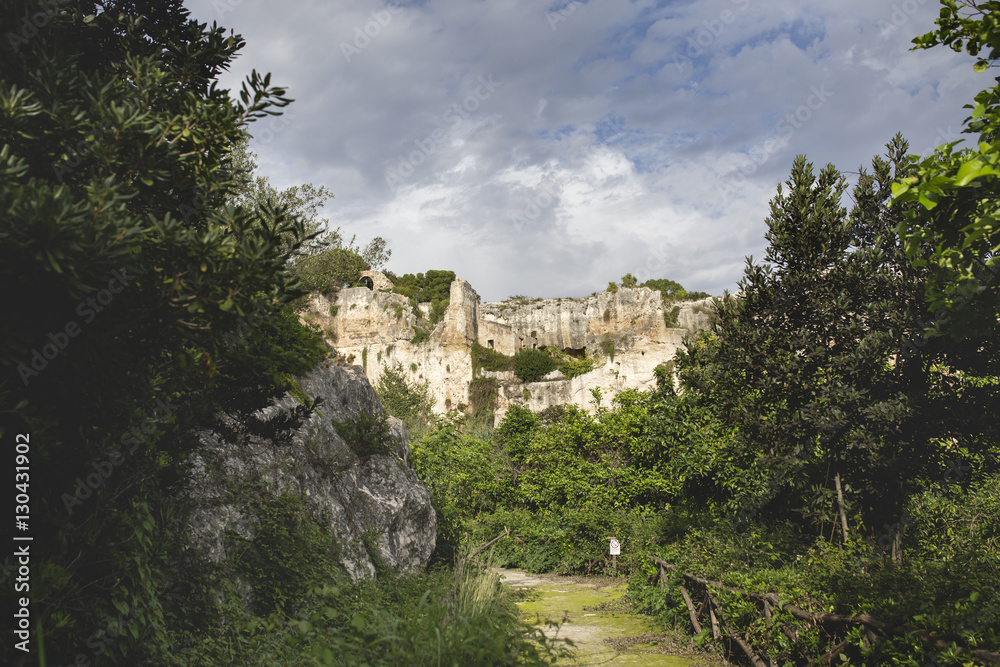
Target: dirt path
559,597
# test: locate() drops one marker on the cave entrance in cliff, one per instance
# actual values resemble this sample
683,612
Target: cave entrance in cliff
576,353
366,281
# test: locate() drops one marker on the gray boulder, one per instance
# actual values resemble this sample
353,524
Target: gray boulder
369,501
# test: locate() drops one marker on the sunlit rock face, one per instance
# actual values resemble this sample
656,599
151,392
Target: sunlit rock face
366,501
373,328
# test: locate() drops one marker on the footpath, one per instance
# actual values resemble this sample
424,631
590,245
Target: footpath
600,637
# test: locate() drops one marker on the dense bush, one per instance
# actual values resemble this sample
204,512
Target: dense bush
328,271
489,360
367,434
425,287
408,401
532,365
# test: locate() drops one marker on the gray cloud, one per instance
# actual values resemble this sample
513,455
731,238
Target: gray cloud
617,128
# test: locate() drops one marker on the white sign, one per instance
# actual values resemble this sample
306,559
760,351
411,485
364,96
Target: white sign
616,548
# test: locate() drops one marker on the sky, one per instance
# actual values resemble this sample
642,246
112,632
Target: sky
546,149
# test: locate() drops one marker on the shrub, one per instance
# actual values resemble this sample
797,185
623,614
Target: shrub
483,398
612,287
670,316
333,310
531,365
328,271
438,307
411,402
432,286
576,367
420,336
628,280
608,346
489,360
366,434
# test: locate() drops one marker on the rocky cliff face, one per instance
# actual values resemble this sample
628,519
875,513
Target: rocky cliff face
369,502
373,328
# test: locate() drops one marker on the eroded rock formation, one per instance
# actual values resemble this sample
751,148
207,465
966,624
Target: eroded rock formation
629,333
365,501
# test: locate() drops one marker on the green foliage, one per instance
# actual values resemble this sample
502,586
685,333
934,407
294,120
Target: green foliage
333,310
367,434
426,287
460,612
438,308
395,622
670,316
408,401
531,365
287,555
612,287
951,224
574,367
116,148
483,358
329,270
670,290
608,347
483,392
628,280
420,336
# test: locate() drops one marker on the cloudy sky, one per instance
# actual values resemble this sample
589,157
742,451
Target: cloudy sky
546,148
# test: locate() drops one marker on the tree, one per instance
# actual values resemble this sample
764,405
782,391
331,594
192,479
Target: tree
957,190
670,290
810,361
411,402
305,201
628,280
164,301
326,263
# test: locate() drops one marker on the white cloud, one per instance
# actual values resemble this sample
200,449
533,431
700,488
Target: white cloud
606,146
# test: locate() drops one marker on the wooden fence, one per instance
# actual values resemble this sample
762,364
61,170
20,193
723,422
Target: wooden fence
708,613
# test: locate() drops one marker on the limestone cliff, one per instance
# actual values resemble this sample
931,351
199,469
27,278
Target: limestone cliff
366,501
629,333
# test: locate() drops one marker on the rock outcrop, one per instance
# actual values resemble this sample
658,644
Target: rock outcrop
367,501
628,333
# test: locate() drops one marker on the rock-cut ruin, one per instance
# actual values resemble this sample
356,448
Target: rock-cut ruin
373,327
